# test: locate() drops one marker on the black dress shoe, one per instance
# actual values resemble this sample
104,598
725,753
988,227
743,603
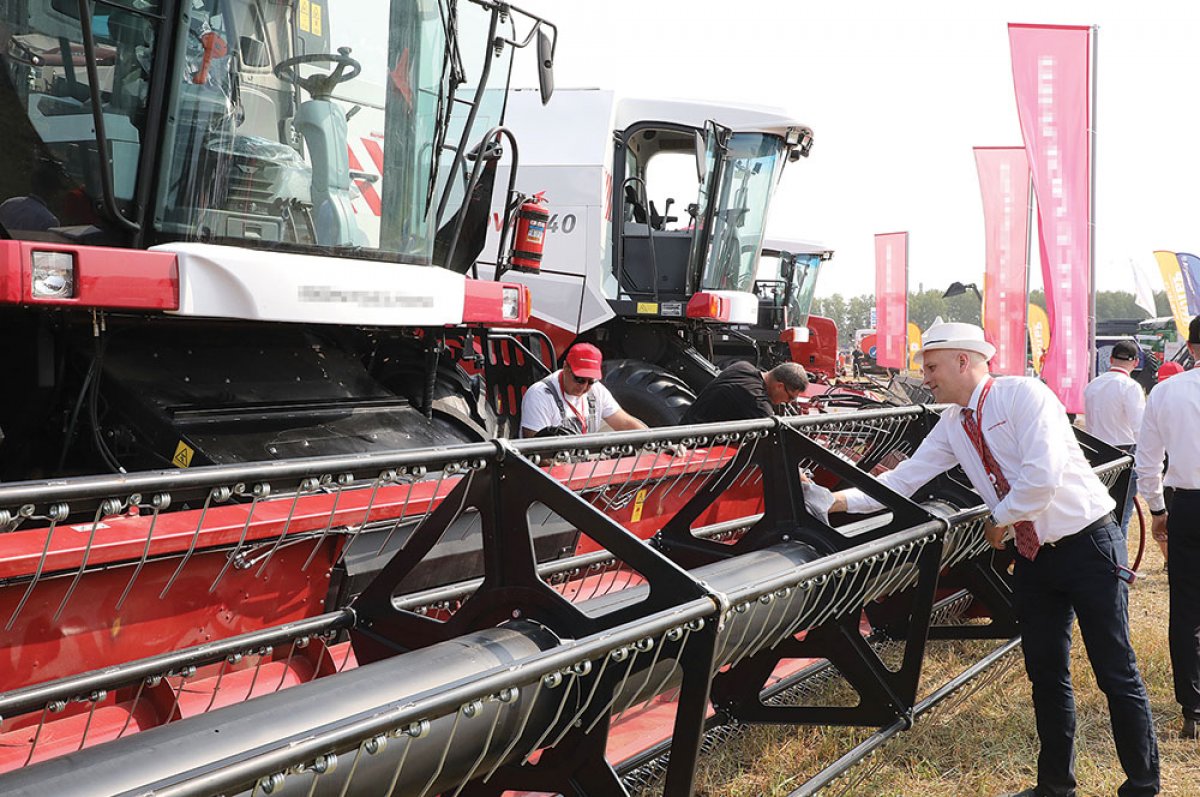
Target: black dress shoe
1190,731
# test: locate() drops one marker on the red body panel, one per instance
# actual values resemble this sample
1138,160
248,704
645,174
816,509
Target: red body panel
820,353
105,277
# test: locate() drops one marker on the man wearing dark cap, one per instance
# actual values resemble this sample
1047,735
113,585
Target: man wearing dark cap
1112,409
572,400
1168,430
742,392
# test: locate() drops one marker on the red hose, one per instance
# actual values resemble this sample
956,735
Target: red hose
1142,537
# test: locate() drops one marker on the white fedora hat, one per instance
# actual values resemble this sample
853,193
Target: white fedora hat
954,335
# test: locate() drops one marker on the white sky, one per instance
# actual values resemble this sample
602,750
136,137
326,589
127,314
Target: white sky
897,94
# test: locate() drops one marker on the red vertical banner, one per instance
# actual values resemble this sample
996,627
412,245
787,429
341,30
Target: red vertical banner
1004,184
1051,66
891,300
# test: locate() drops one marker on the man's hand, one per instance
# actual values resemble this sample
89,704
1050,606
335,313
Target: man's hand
839,502
1158,527
995,534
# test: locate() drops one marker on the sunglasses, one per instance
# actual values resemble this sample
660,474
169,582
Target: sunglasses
584,380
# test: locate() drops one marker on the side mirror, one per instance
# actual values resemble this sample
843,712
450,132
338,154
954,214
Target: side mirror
545,54
254,52
701,156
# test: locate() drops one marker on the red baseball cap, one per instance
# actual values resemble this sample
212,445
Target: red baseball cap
1169,369
585,361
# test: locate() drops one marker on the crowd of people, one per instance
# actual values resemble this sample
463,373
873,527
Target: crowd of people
1015,443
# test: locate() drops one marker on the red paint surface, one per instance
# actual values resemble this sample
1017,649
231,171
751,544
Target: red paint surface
104,277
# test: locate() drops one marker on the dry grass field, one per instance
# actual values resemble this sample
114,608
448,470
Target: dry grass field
983,742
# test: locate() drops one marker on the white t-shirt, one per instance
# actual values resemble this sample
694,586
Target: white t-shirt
539,410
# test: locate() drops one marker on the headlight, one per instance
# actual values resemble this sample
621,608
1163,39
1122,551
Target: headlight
53,275
510,304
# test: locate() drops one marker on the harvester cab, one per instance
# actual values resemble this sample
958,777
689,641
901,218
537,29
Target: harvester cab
785,282
223,215
658,209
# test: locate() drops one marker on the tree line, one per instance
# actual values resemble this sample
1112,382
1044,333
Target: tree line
923,307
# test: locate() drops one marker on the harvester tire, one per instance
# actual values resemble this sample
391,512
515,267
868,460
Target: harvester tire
648,392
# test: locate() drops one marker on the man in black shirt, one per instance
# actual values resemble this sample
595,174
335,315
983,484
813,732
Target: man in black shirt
742,392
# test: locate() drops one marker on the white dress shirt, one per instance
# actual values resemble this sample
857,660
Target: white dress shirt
1027,431
1112,407
1169,427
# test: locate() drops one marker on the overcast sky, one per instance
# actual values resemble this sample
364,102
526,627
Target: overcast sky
897,95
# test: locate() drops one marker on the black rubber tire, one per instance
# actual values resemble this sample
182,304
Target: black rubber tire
648,392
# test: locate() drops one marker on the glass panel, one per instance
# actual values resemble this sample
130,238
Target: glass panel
748,176
310,125
804,285
51,185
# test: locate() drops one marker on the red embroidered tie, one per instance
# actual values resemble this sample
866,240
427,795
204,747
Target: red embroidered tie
1027,538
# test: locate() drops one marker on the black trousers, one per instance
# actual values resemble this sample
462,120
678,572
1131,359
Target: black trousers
1076,578
1183,552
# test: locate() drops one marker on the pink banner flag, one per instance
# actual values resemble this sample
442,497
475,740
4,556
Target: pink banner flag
891,299
1004,184
1050,74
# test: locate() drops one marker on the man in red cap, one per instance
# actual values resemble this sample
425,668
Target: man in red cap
572,400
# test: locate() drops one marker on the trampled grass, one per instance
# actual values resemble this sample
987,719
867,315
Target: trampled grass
983,743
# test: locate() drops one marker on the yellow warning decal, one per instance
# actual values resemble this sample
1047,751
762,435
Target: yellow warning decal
304,17
644,308
316,19
638,503
183,455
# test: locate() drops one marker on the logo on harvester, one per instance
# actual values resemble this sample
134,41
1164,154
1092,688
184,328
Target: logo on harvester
183,455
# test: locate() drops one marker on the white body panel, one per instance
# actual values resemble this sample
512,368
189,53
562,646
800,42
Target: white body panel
233,282
743,307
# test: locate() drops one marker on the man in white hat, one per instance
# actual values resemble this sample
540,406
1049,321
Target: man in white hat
1012,438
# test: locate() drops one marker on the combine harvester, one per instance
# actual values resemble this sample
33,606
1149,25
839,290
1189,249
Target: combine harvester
344,586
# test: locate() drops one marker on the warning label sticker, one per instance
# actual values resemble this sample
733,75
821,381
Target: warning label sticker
183,455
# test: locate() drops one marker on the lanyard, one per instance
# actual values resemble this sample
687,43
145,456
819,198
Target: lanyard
567,400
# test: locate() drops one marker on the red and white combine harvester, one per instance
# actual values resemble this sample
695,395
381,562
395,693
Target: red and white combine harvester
258,534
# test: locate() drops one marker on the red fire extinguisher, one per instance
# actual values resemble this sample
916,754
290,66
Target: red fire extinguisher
530,237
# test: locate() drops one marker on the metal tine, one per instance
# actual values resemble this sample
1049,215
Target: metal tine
408,742
773,634
749,459
487,743
587,703
745,631
537,690
225,662
37,734
437,488
345,658
805,621
287,665
385,477
722,439
263,654
445,752
94,700
655,453
614,454
158,503
790,627
690,446
358,757
630,654
109,506
415,477
219,494
258,491
342,480
587,482
568,680
658,647
686,635
184,674
306,485
137,696
56,513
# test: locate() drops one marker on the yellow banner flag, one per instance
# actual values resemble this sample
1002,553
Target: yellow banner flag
1039,335
1168,264
914,345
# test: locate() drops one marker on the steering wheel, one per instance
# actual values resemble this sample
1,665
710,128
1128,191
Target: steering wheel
319,86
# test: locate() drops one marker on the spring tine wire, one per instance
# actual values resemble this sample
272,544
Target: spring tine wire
750,608
213,494
57,512
445,752
232,556
37,734
107,507
569,681
537,690
677,662
433,498
263,655
658,646
773,634
345,658
399,518
632,655
157,503
137,696
341,482
94,701
379,481
708,451
408,742
358,757
683,469
287,665
487,745
306,485
217,686
586,703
